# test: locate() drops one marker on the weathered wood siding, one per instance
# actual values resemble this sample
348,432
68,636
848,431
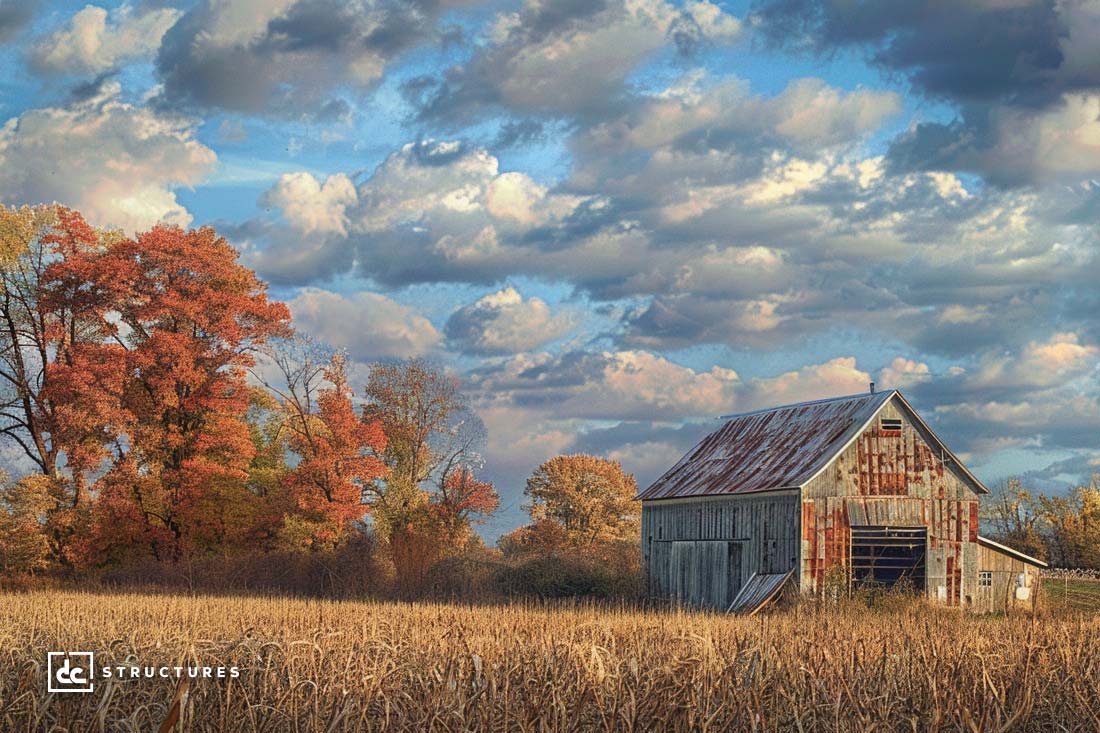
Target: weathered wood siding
894,478
701,551
1013,584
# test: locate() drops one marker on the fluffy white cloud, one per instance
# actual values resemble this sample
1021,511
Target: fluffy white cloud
515,196
520,439
1041,364
431,211
839,376
903,373
449,181
1064,142
369,325
1043,395
721,270
581,61
504,323
115,162
711,239
95,40
310,206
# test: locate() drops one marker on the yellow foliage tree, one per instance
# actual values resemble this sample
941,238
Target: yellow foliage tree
1074,523
20,227
589,496
24,547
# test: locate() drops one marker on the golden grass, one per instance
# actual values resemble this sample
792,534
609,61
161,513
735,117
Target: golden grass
327,665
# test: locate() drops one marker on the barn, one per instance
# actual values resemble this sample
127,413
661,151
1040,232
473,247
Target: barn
822,495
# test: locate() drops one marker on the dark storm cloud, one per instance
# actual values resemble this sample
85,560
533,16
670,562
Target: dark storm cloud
284,258
288,63
1006,66
14,16
1084,466
601,441
962,51
935,146
88,90
464,91
516,133
426,153
563,59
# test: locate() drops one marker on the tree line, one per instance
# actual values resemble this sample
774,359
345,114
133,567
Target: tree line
173,419
1063,530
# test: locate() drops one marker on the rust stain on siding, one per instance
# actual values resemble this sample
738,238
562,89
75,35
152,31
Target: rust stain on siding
888,462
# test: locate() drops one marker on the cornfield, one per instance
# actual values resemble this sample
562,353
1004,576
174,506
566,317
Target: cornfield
309,665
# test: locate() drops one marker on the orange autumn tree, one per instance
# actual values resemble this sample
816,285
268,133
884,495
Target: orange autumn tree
182,318
84,382
339,463
60,371
461,501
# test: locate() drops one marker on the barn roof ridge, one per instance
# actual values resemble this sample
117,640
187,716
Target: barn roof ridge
809,403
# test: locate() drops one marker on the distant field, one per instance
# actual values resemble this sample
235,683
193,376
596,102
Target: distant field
1080,593
338,666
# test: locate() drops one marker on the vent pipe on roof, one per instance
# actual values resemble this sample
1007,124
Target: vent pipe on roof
872,387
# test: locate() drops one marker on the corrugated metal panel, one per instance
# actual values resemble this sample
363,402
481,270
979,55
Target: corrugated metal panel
761,590
772,449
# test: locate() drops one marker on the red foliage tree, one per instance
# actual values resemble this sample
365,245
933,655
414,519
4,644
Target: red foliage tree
339,455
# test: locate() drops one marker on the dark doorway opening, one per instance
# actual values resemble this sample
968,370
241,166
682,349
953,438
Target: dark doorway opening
889,556
733,572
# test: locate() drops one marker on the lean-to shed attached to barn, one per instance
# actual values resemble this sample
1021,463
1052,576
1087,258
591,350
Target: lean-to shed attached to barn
848,490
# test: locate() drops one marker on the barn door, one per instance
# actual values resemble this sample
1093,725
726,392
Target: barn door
704,572
886,556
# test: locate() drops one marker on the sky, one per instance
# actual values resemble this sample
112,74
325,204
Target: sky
616,220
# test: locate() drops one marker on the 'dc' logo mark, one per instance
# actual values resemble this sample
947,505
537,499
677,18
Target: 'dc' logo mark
70,671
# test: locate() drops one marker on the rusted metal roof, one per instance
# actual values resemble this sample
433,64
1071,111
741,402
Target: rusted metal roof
779,448
760,590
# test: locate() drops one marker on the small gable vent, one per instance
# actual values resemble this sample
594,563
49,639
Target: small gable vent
890,423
